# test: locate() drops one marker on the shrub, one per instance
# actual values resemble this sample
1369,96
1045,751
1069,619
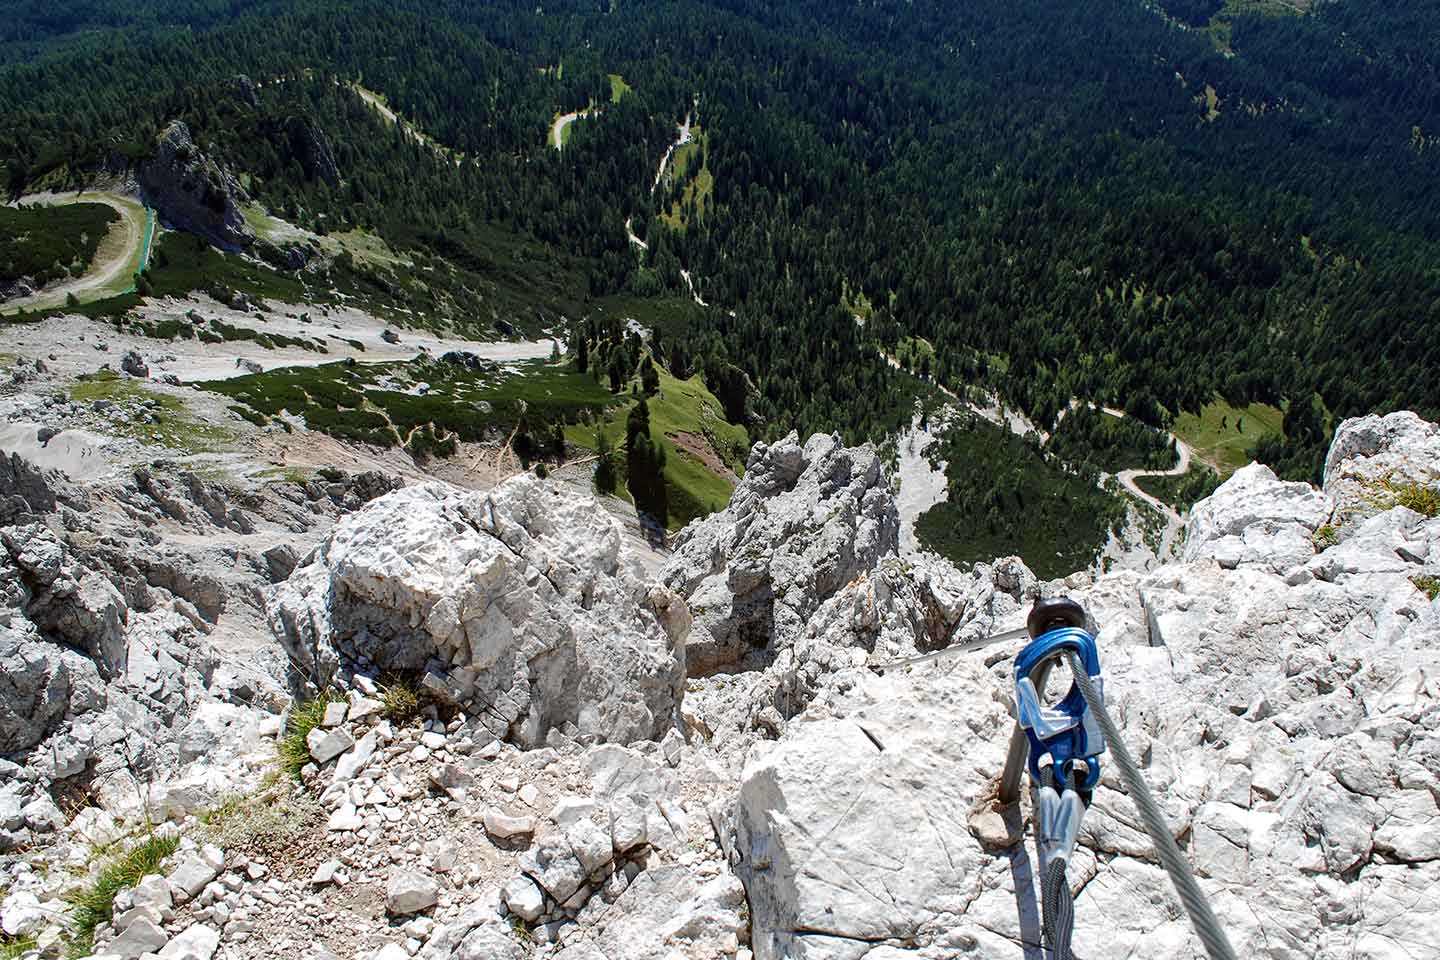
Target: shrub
1430,586
401,701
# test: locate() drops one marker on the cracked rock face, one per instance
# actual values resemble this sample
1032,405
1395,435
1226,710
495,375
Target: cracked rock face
193,191
519,605
804,522
122,606
1256,519
1368,451
1283,701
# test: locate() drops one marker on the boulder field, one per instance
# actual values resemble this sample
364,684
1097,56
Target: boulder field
705,765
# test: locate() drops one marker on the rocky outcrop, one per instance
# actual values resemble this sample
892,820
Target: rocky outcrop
519,606
1258,521
804,522
120,606
1371,455
246,91
193,192
1281,697
311,147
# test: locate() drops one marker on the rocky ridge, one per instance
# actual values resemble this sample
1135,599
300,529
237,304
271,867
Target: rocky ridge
193,191
119,607
1278,683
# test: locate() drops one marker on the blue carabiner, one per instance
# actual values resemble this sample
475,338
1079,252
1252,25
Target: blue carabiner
1067,731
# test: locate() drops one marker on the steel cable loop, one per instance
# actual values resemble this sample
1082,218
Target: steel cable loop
1202,917
1058,910
1057,906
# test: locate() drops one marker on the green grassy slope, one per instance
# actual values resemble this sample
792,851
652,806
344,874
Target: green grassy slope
1225,435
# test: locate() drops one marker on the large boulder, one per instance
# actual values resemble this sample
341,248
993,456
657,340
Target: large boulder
1370,454
1256,519
804,522
520,605
194,192
854,831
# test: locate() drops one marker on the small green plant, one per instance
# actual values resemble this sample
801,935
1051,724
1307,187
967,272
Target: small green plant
229,805
304,717
1325,537
1417,496
1430,586
522,931
95,904
265,823
11,948
401,701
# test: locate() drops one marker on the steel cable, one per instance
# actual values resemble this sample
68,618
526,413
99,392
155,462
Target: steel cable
1206,925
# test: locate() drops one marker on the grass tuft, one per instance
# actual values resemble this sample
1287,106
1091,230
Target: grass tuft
1325,536
12,948
96,903
229,805
1417,496
1428,585
401,701
522,931
304,717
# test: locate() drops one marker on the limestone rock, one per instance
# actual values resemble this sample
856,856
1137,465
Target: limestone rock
408,892
190,878
1257,520
524,899
21,914
503,827
1282,703
196,942
353,761
193,192
804,522
1367,451
519,605
326,745
141,937
661,907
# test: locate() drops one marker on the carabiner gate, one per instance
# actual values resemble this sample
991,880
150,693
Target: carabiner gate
1067,731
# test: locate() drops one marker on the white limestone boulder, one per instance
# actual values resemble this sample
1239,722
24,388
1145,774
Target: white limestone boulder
1255,519
1369,451
802,523
520,605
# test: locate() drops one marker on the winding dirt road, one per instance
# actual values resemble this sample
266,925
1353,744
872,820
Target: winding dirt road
117,259
1127,478
557,134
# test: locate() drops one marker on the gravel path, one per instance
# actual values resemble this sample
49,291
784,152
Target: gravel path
71,345
117,259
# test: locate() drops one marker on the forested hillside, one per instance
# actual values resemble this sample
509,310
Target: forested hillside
1065,200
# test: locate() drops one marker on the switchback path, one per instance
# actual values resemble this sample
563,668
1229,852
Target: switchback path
124,252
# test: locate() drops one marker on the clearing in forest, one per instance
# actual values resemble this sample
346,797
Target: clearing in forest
1224,435
697,484
699,184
